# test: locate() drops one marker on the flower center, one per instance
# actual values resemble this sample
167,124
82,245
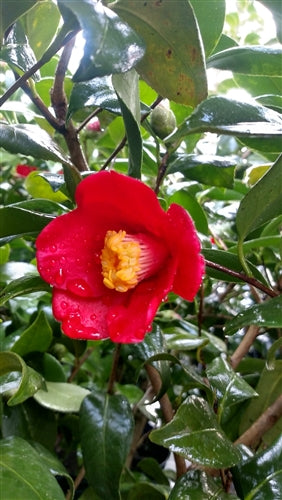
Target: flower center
127,259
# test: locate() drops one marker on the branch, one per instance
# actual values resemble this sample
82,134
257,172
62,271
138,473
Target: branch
168,413
244,346
243,277
62,38
59,103
265,422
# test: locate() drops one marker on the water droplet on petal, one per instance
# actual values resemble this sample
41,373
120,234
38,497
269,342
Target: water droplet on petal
53,262
53,248
93,317
63,304
59,277
62,260
79,287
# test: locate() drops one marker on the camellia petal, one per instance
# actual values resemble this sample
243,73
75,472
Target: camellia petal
114,259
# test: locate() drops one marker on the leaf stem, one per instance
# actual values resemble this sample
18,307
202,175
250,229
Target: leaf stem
243,277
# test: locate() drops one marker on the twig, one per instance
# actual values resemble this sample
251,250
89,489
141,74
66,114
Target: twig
266,421
79,363
243,277
168,414
77,482
58,43
113,375
59,103
162,170
244,346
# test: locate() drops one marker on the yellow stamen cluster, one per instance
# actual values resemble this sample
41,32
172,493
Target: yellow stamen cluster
120,260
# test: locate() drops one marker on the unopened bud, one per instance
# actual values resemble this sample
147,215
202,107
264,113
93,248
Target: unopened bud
163,121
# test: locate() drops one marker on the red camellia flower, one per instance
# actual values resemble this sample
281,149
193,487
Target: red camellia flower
113,259
24,170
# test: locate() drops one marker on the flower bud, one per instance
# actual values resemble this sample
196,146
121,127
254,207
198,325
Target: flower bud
163,121
93,125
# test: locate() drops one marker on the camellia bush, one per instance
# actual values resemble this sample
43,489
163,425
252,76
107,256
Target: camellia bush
140,213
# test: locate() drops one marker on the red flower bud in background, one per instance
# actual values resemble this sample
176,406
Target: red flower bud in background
24,170
113,259
93,125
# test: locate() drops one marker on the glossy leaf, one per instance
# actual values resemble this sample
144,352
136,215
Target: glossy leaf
195,434
98,92
30,381
260,477
256,208
39,33
106,427
54,465
177,54
275,8
10,12
210,25
268,389
126,87
37,337
242,119
23,472
194,208
31,422
231,262
111,46
17,52
211,170
252,60
197,485
30,140
265,314
148,350
16,221
46,186
60,396
230,387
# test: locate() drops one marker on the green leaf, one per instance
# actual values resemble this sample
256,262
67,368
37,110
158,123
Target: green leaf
111,46
198,485
30,140
230,261
242,119
268,389
10,12
252,60
17,52
193,425
60,396
153,346
98,92
23,473
106,428
45,185
175,53
126,87
230,387
37,337
53,464
275,8
266,314
16,221
262,203
211,170
260,477
30,381
39,33
211,25
153,470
